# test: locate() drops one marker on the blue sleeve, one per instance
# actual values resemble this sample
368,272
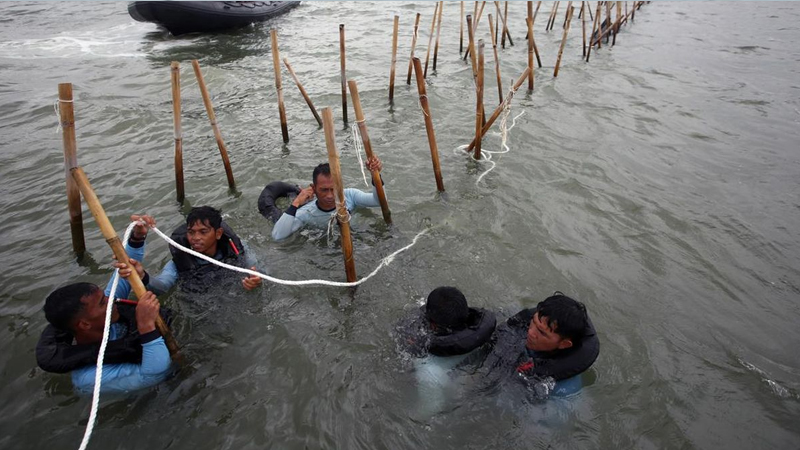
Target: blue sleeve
128,377
285,226
124,287
355,198
250,259
164,281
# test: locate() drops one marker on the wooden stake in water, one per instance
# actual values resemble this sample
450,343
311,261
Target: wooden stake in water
479,105
302,91
394,59
343,73
175,70
475,20
617,23
276,65
223,151
471,49
438,32
500,107
342,216
67,121
413,44
362,128
119,251
504,17
595,24
430,38
583,26
426,111
530,45
496,58
563,38
461,31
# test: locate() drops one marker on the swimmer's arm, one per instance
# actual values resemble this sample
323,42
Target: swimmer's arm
164,281
356,198
287,224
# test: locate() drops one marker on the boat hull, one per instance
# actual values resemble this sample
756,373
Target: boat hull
189,17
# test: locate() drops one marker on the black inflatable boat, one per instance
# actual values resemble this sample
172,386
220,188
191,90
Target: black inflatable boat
188,17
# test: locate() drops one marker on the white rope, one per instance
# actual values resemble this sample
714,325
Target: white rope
384,262
58,116
98,376
359,147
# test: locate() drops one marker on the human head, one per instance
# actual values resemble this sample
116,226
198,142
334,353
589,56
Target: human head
204,229
447,308
79,308
324,187
558,324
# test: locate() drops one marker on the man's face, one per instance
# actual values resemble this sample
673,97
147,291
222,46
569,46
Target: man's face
93,317
542,338
323,189
203,237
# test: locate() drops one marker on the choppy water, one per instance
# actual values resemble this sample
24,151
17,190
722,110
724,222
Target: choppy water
658,184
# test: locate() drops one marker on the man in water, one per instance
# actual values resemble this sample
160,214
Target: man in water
204,232
304,212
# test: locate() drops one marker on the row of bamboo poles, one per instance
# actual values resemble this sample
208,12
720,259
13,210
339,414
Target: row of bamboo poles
499,31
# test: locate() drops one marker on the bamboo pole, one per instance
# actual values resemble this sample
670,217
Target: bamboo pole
617,24
67,120
476,20
535,47
276,65
633,11
566,18
479,103
552,16
500,107
583,26
595,24
530,45
608,20
563,38
302,91
394,60
342,216
498,13
362,128
535,12
413,44
223,151
461,31
496,58
343,73
175,70
430,38
119,252
506,33
438,32
470,46
426,111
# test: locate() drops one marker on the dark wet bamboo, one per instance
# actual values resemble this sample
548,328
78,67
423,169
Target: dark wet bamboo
119,251
362,128
552,17
506,33
530,45
563,39
430,38
617,23
461,31
479,102
475,21
497,28
341,206
394,59
276,65
515,86
302,91
595,24
413,44
343,72
438,33
496,58
175,70
426,112
583,26
223,150
67,121
470,49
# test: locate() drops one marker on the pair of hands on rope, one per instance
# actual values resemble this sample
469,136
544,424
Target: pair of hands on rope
139,233
307,194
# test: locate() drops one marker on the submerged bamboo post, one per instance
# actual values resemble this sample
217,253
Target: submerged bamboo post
583,26
430,38
277,67
506,33
530,45
496,58
343,74
501,106
498,15
119,252
471,48
608,21
302,91
342,216
426,111
479,103
394,59
67,120
595,24
475,21
223,151
461,31
413,44
563,38
438,32
362,128
175,70
552,16
617,23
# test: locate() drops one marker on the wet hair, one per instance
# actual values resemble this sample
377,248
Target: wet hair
447,308
64,305
204,214
322,169
565,316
